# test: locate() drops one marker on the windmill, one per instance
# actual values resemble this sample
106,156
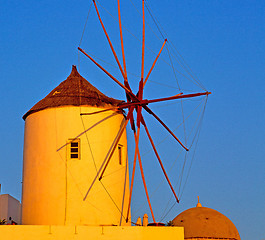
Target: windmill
136,104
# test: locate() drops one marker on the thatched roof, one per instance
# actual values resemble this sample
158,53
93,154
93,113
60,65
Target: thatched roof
74,91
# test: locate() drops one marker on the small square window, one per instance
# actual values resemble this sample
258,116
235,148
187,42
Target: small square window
74,144
74,148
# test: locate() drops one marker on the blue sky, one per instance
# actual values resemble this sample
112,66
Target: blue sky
222,41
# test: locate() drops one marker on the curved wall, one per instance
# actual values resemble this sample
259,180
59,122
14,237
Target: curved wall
54,185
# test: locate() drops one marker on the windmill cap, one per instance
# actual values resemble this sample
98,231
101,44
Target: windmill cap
74,91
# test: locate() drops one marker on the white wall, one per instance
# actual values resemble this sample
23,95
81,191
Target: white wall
10,207
37,232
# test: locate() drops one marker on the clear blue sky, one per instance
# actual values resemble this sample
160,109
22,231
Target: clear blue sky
222,41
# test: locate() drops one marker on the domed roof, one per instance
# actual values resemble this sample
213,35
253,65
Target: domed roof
75,91
203,222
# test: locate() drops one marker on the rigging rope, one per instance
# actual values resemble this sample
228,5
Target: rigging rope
83,35
146,23
113,200
73,178
159,185
161,30
189,70
174,162
182,111
194,151
85,24
184,164
192,158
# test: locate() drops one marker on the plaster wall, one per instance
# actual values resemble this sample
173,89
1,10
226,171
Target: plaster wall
55,187
84,232
10,207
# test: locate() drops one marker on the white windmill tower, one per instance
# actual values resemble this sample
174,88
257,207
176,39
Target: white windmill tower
64,153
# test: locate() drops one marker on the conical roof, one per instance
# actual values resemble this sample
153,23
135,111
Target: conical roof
74,91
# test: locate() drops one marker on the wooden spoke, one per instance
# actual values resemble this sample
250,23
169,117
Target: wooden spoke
139,108
143,102
132,124
116,144
154,62
111,46
145,187
159,159
126,83
128,90
179,96
105,71
133,172
122,44
165,126
101,111
138,120
102,165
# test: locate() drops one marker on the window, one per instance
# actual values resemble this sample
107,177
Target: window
120,153
74,146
